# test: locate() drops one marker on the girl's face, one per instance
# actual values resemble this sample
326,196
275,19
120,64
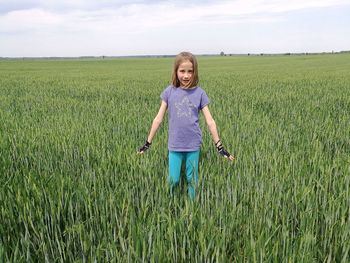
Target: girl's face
185,73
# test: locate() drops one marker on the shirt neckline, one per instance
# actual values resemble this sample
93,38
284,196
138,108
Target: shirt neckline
193,88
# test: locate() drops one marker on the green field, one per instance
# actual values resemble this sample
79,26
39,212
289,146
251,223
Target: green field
72,187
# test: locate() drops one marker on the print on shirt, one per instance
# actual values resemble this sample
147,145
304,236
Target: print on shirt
184,108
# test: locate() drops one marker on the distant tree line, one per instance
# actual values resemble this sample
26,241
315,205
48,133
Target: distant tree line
222,53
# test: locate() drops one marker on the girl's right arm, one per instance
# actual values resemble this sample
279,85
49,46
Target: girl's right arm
155,125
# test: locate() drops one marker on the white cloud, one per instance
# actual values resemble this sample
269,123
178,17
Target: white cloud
29,20
149,13
113,20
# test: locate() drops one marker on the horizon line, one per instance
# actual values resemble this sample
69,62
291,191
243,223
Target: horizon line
174,55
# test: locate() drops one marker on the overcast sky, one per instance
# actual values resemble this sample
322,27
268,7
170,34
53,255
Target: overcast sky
117,28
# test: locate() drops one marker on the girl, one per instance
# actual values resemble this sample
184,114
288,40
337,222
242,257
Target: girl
184,99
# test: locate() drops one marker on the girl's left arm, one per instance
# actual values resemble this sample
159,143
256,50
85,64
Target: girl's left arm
214,133
211,124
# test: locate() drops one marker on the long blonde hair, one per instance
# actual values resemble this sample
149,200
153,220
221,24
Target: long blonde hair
180,58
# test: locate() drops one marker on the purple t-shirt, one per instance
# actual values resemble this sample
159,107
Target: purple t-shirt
183,107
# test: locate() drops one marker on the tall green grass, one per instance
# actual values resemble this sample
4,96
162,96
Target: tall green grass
73,189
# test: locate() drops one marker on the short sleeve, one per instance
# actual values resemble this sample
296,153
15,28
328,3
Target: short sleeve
165,94
204,100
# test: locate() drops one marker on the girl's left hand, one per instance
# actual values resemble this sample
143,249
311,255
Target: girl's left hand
223,152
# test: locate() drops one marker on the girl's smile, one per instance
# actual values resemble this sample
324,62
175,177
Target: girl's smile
185,73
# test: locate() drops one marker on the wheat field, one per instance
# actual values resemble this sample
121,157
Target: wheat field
73,189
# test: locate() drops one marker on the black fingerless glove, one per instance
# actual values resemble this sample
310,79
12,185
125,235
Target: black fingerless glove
145,147
221,149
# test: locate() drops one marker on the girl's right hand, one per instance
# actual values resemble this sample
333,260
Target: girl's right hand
144,148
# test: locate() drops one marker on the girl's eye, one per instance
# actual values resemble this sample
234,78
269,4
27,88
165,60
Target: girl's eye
184,71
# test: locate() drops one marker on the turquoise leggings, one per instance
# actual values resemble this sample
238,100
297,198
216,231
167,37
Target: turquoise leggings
191,160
